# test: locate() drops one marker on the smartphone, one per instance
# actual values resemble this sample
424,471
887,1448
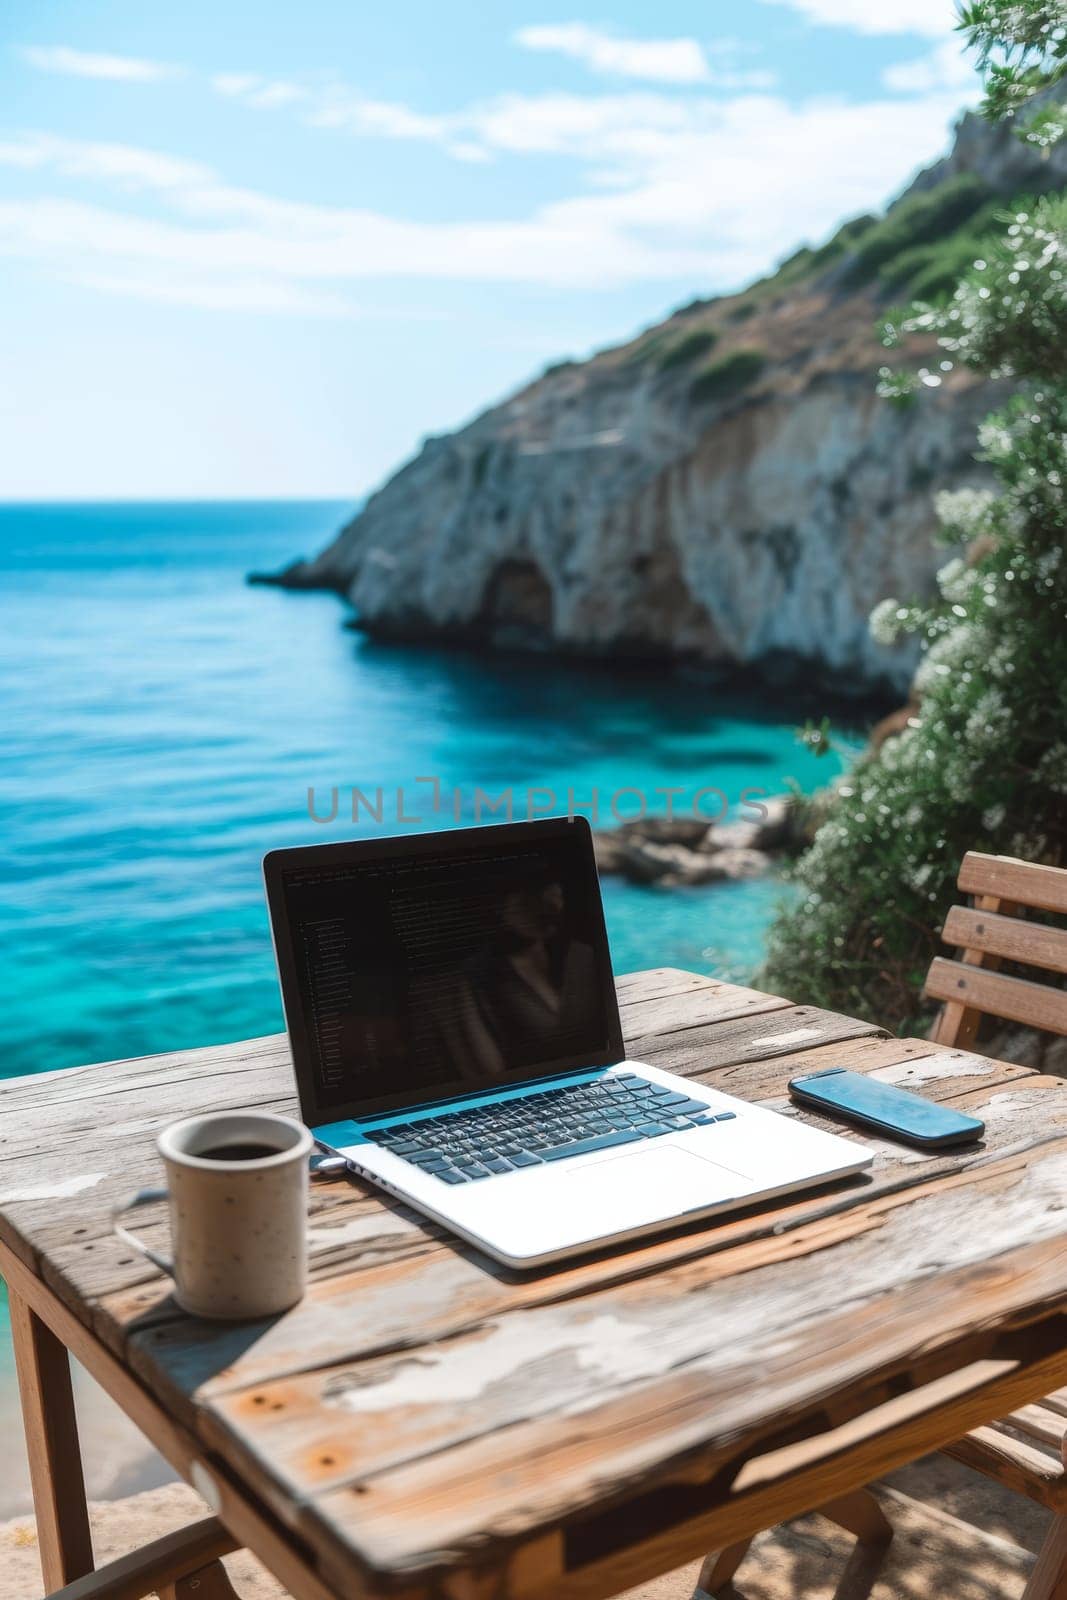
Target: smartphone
885,1108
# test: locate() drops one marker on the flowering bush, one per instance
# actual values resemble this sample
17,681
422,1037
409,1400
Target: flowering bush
982,762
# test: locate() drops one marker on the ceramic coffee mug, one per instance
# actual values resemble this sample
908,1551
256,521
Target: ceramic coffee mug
237,1183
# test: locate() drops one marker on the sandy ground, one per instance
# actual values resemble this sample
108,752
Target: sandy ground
960,1539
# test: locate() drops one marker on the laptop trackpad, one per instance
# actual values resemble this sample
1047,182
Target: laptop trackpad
629,1190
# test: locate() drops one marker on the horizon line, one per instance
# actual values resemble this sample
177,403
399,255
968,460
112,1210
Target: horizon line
180,500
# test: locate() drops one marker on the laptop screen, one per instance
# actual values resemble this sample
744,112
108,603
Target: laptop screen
417,974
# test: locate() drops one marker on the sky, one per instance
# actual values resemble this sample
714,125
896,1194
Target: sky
257,249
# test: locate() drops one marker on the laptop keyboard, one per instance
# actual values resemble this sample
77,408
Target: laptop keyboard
465,1145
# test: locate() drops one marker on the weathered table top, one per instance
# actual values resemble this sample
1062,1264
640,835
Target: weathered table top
428,1421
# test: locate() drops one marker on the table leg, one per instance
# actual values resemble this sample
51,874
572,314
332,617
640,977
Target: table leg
43,1368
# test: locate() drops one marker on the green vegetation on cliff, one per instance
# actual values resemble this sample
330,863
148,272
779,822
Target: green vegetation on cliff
688,348
919,249
728,376
918,220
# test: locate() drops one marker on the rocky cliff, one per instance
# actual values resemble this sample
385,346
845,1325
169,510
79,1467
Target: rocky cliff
726,488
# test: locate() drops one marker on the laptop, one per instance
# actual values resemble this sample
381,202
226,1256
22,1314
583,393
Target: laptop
456,1039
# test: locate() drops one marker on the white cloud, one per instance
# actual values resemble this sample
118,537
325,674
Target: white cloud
932,18
218,294
259,93
740,185
91,64
946,66
655,60
337,106
122,164
590,127
564,124
301,244
697,189
511,122
674,61
235,84
386,118
21,153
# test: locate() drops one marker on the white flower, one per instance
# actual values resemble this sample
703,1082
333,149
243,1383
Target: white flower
885,622
993,817
950,654
956,580
964,512
995,440
927,674
899,753
1000,663
989,723
1052,768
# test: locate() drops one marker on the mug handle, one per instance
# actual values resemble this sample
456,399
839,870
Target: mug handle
143,1197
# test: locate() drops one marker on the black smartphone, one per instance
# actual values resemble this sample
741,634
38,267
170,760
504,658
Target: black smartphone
885,1108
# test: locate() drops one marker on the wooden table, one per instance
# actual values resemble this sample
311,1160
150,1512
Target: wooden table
427,1422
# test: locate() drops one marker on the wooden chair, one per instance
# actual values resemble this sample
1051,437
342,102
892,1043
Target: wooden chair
1026,1451
994,929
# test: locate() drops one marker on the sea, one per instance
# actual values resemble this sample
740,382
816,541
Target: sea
164,723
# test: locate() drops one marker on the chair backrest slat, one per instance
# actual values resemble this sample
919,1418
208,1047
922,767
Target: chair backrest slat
990,931
1024,882
1032,943
1015,999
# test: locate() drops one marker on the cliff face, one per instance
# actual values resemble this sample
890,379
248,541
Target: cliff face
726,488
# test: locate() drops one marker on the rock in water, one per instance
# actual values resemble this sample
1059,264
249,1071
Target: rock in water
669,851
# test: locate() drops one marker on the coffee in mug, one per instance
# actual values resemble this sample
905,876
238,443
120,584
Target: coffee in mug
237,1187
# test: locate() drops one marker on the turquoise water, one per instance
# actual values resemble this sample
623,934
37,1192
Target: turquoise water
163,723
